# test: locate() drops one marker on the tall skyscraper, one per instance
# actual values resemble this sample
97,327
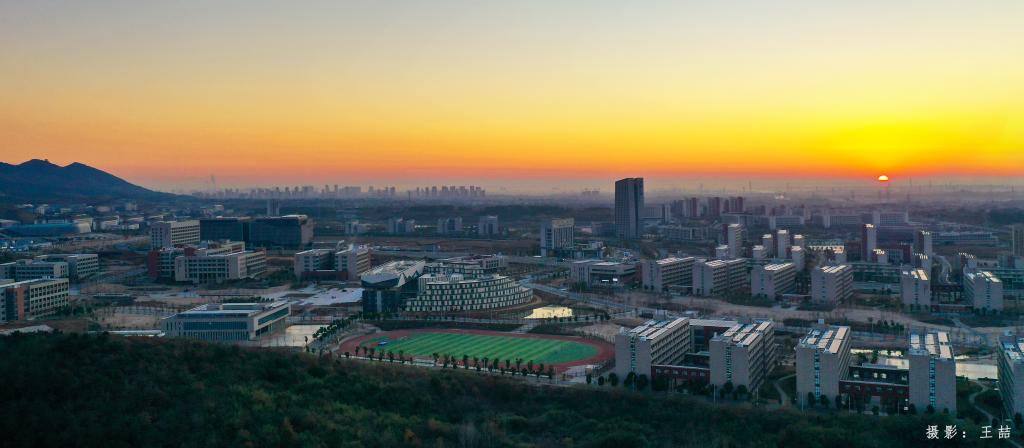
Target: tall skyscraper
629,202
1018,240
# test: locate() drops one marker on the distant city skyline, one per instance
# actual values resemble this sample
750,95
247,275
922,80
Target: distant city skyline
526,96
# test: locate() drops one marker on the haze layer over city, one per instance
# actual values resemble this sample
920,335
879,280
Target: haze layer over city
512,224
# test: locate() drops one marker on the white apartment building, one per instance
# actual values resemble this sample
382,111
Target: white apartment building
983,290
915,289
744,355
557,236
831,284
656,342
659,275
799,256
768,241
782,243
1011,375
719,276
822,360
734,239
868,241
173,233
932,372
772,280
759,252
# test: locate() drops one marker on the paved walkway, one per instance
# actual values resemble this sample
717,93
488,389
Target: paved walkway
782,392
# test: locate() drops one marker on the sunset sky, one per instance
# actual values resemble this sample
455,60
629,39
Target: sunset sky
513,92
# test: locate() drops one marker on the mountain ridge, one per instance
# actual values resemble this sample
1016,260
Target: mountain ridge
39,179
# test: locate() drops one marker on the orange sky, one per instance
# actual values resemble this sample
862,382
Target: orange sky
334,92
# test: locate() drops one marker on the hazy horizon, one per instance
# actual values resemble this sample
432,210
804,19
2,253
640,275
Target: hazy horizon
526,96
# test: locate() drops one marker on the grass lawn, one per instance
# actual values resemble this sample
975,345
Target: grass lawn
547,351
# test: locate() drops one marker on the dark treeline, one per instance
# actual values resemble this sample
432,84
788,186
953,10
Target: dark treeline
76,390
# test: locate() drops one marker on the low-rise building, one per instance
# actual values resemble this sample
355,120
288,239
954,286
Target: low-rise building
32,299
228,322
590,273
772,280
385,286
80,266
36,269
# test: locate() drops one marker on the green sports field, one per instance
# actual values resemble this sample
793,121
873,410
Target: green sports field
425,344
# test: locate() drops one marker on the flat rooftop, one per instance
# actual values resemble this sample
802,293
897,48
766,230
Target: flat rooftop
654,329
1014,350
827,340
745,335
240,309
935,344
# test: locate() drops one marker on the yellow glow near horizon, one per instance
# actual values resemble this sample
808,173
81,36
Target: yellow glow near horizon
336,90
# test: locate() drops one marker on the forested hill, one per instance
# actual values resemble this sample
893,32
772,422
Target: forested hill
75,390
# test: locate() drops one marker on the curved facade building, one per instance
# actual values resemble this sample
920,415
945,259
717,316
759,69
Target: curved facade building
454,292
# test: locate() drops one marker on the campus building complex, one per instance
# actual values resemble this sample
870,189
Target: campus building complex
385,286
443,293
228,322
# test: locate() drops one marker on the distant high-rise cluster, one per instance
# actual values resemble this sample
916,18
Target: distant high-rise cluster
448,191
